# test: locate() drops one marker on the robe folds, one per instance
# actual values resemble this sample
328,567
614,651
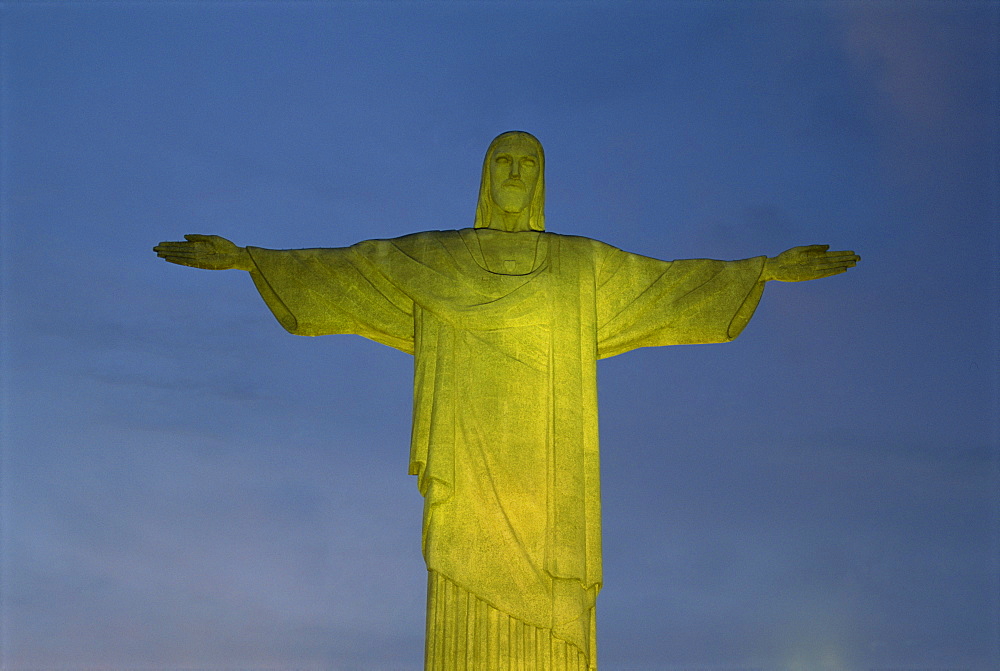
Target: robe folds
505,434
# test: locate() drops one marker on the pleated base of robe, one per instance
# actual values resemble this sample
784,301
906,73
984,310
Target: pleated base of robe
464,633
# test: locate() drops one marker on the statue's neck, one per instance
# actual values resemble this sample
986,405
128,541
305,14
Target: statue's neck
510,221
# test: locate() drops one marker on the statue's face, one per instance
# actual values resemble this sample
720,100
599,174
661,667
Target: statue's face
513,173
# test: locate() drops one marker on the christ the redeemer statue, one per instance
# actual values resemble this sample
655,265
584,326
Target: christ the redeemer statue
506,323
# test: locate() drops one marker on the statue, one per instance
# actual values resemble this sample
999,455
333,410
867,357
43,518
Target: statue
506,323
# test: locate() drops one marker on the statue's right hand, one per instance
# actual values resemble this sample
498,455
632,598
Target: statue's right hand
211,252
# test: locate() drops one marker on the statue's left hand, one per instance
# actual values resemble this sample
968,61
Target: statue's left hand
810,262
209,252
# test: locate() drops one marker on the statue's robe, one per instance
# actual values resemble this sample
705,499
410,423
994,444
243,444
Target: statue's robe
505,438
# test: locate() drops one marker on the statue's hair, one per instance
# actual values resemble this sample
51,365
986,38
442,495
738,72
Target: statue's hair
536,208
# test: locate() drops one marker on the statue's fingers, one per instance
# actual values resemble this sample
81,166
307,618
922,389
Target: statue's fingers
181,261
180,255
179,246
164,250
814,249
826,261
847,258
832,266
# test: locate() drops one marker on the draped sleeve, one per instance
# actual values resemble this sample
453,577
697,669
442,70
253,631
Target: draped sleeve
644,302
339,290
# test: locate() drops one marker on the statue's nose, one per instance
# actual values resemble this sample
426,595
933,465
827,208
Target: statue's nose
515,169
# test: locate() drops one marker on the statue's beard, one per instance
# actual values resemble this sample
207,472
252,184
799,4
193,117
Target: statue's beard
513,197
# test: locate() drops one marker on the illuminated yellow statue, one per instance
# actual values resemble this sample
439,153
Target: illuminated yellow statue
506,323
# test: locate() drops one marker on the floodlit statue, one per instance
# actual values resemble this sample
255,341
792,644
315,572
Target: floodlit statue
506,323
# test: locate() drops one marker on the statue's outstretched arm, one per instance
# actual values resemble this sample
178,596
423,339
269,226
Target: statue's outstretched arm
810,262
210,252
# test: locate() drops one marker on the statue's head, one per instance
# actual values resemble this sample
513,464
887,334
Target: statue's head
513,180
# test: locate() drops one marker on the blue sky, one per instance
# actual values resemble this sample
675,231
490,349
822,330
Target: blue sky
185,485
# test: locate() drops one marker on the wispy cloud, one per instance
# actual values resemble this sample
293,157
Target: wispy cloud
925,60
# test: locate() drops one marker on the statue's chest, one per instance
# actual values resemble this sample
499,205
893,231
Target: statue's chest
509,254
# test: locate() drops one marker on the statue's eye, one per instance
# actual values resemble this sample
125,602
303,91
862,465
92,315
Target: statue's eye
503,159
530,162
